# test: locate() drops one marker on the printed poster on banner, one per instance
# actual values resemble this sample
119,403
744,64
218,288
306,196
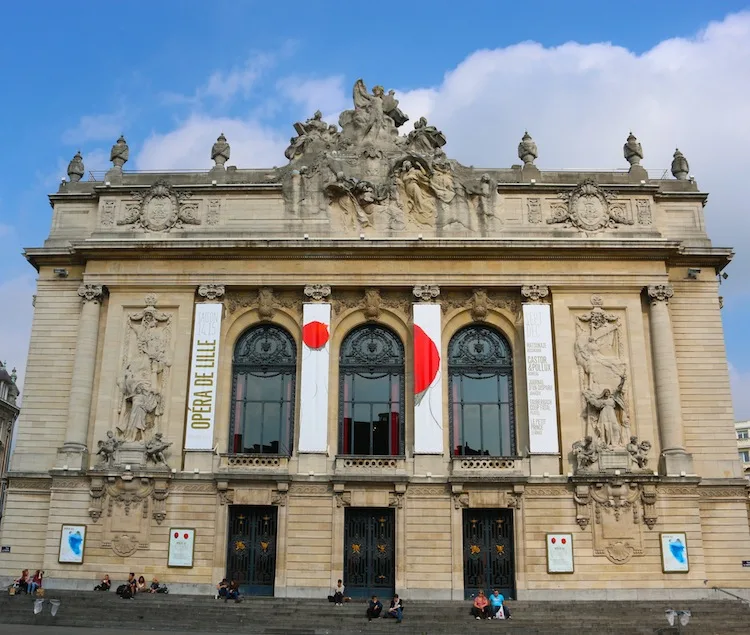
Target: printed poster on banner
428,405
204,371
559,553
313,427
181,547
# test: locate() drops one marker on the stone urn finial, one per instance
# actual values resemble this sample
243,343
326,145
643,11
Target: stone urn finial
120,153
220,151
632,150
680,166
527,150
75,168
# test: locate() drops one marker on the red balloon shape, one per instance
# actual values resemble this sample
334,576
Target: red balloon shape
186,536
426,360
315,334
553,541
176,534
562,540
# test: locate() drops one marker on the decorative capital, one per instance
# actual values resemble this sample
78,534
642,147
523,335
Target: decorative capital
426,292
534,292
211,292
660,292
317,292
91,292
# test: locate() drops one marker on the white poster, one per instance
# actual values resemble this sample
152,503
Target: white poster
559,553
181,547
204,369
313,416
540,379
674,553
72,544
428,404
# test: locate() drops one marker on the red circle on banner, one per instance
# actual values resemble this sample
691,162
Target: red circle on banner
176,534
426,360
553,541
562,540
186,536
315,334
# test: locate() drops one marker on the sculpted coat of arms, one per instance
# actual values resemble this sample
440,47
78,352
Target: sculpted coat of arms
588,208
160,209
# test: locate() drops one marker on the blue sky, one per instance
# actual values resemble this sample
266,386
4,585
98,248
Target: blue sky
172,75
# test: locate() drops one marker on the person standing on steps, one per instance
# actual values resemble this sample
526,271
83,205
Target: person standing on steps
498,610
481,607
374,608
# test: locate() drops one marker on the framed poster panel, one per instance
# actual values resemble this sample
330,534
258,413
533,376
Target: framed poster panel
72,544
181,547
674,553
560,553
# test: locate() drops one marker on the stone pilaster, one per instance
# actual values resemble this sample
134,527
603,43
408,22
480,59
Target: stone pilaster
675,459
74,450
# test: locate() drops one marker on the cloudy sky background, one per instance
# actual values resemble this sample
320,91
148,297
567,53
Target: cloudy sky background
577,77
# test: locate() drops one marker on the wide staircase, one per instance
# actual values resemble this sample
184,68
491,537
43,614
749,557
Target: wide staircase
280,616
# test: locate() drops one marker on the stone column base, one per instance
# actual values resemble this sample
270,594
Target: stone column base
74,458
676,463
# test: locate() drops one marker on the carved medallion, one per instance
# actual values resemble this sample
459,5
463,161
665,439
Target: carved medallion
589,208
160,209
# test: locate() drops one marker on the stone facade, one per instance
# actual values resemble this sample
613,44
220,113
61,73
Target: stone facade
9,410
590,299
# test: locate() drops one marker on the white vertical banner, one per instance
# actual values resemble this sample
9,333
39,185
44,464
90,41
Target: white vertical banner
428,402
316,358
540,379
204,370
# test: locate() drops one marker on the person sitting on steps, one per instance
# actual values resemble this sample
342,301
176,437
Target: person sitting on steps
104,585
22,584
222,589
481,607
36,581
396,610
373,608
233,592
338,594
496,604
142,587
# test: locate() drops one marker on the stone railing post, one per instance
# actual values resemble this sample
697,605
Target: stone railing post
82,384
675,460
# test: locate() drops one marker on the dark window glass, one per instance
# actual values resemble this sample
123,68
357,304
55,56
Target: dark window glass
264,369
371,392
480,367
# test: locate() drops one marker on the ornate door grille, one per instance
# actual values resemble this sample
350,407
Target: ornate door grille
369,555
251,552
489,561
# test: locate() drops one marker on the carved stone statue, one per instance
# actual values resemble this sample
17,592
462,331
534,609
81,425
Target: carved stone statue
120,152
107,449
220,151
155,449
632,150
145,369
680,166
527,150
375,116
424,139
314,134
639,451
75,168
418,195
586,453
372,304
608,426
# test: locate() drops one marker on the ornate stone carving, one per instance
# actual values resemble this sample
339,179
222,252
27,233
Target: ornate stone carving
638,452
374,119
424,139
279,498
460,500
372,304
660,292
588,209
211,292
160,209
479,305
91,292
426,292
317,292
220,151
159,496
310,489
527,150
155,449
108,213
124,545
416,193
582,500
643,211
120,153
599,351
534,206
534,292
312,135
146,362
75,168
396,499
107,448
266,303
648,498
479,299
680,166
415,491
214,211
343,499
632,150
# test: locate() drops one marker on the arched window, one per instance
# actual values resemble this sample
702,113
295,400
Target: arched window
480,366
263,381
371,392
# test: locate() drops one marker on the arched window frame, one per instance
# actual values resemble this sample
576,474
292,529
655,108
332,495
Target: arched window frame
265,350
389,359
496,358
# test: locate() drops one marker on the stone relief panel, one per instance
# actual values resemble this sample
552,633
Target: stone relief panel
372,301
144,377
602,360
161,208
480,301
589,208
266,300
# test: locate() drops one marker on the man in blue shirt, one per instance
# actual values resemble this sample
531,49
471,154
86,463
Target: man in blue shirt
374,608
496,602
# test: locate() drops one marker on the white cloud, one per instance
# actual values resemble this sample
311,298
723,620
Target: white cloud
740,382
103,127
326,94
